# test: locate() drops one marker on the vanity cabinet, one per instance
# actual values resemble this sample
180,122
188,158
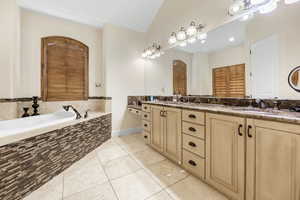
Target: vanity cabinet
273,161
225,154
166,131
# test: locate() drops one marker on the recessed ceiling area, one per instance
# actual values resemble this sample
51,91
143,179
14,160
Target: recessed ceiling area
134,14
218,38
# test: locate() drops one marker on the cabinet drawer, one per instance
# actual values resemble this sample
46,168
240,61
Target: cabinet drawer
194,145
146,116
193,129
193,116
146,136
146,125
194,164
146,108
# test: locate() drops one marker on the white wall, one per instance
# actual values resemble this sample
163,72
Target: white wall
159,73
9,51
35,26
124,69
201,75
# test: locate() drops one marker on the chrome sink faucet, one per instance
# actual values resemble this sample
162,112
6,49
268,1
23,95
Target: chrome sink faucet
67,108
261,103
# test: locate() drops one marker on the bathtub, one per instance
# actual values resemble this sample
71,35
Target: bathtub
18,126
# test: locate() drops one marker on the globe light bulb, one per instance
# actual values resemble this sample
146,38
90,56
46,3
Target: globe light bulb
172,39
181,35
192,30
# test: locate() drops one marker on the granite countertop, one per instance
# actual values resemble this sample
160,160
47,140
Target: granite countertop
251,112
135,107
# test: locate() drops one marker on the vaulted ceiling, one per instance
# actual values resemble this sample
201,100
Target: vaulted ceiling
133,14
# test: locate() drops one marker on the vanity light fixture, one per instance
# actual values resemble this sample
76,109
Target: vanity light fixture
152,52
245,9
190,35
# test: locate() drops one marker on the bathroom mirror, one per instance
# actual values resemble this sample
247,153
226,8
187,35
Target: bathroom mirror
293,79
239,59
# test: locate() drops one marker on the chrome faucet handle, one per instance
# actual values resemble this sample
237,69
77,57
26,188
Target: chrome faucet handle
86,115
276,104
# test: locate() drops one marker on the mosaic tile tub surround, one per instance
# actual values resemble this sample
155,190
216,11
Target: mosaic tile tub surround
28,164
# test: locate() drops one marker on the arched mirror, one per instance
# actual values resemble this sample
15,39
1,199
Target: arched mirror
294,80
179,78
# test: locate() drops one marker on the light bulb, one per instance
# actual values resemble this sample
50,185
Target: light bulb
192,30
257,2
231,39
202,36
236,7
191,40
203,41
172,39
144,55
181,35
268,7
290,1
183,44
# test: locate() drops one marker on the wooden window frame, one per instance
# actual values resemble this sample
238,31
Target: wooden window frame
228,95
44,69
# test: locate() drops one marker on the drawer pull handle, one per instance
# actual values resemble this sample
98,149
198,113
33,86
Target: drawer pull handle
192,144
248,132
145,136
239,130
193,163
192,116
192,129
145,125
145,116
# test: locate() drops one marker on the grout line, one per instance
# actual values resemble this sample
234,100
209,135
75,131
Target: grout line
63,186
109,181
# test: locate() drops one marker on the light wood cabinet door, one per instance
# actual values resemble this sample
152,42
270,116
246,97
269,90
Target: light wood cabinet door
172,134
273,161
157,136
225,154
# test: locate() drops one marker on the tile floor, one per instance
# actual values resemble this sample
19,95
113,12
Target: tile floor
124,168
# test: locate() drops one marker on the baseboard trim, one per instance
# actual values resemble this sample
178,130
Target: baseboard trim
126,131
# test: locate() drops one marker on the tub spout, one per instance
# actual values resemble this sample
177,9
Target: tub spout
67,108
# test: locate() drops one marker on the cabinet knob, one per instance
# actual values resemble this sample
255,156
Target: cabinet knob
145,125
145,116
145,136
192,144
193,163
137,111
192,116
192,129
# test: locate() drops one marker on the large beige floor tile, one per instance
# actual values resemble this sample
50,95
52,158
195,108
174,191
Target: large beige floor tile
52,190
192,188
120,167
111,153
98,192
148,157
135,147
90,159
166,173
139,136
136,186
108,144
127,139
83,177
163,195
